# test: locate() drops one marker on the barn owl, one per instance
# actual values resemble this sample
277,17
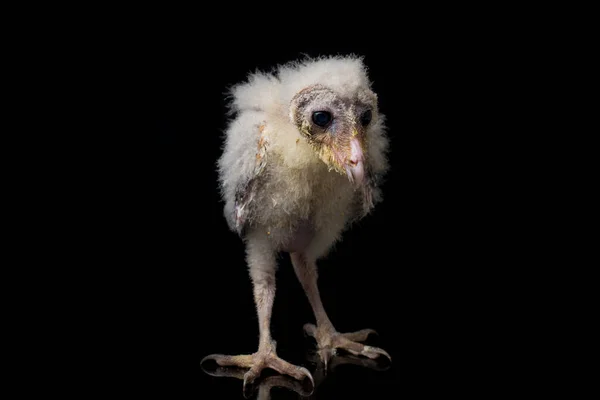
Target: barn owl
304,154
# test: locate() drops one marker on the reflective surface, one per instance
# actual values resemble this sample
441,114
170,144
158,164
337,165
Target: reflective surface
344,374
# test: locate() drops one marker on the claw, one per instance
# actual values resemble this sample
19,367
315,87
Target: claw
326,354
246,392
370,332
249,378
308,375
225,372
369,350
211,357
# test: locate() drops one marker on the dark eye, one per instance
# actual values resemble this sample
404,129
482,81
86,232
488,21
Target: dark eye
365,118
321,118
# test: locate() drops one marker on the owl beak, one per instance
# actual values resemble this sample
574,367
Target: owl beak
355,163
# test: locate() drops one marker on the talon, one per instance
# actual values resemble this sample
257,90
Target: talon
213,357
249,378
372,332
326,354
307,374
369,350
246,392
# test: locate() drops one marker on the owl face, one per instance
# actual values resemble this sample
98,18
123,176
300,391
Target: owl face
336,127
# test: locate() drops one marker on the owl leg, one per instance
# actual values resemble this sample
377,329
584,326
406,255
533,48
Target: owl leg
327,338
262,266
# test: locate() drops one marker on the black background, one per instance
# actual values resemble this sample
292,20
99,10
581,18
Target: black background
426,270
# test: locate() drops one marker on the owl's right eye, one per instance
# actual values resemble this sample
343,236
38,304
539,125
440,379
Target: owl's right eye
321,118
365,118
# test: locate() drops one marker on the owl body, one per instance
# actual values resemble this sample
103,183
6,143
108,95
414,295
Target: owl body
280,176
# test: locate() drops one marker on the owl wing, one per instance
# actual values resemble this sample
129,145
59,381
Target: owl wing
247,189
241,168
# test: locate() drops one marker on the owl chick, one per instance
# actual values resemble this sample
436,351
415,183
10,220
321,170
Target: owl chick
303,157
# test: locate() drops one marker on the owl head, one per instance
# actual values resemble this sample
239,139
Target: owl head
337,126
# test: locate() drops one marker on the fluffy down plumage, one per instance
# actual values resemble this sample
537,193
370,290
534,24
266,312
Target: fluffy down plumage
272,180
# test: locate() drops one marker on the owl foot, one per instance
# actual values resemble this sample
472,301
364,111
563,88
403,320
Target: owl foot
329,342
265,357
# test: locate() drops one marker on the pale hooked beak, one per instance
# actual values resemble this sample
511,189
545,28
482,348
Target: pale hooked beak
355,166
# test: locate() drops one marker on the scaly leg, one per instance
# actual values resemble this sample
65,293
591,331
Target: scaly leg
328,339
262,271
